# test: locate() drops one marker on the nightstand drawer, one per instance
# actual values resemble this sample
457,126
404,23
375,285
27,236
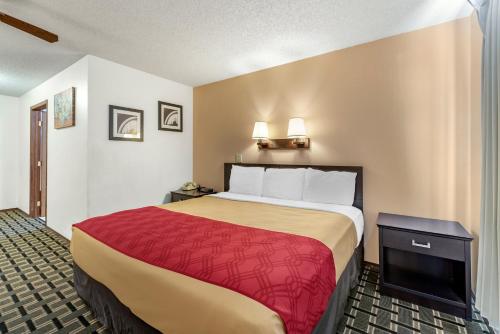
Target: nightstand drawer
424,244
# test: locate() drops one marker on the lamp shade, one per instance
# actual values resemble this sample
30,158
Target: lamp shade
260,131
296,128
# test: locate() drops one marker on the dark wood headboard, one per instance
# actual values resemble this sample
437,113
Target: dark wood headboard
358,194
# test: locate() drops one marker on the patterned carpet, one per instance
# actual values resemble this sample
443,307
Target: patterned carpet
36,280
37,294
369,312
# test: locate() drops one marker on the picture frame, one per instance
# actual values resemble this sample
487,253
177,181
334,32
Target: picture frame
126,124
64,109
170,116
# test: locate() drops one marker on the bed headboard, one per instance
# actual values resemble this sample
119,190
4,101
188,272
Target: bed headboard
358,194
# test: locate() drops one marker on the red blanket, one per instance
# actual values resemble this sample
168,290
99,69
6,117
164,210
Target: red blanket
290,274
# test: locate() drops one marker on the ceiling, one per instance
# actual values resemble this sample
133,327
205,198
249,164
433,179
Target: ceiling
200,41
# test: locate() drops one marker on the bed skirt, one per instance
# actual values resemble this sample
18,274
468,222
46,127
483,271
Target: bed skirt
119,319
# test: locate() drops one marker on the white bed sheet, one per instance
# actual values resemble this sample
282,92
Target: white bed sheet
355,214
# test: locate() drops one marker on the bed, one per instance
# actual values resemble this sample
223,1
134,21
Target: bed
223,274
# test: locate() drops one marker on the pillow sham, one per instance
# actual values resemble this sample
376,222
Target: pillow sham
246,180
329,187
284,183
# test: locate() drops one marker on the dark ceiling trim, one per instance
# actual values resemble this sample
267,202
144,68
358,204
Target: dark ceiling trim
29,28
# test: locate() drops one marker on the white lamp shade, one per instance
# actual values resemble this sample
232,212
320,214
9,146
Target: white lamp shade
296,128
260,131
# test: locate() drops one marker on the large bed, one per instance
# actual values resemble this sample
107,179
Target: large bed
214,264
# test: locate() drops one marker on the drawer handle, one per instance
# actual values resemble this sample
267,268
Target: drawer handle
416,244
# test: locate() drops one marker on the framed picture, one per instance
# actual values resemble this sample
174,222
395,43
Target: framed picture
126,124
64,109
169,117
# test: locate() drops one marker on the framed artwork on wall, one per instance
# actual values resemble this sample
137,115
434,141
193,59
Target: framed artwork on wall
169,116
64,109
126,124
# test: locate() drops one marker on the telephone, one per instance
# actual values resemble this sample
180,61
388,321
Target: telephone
190,186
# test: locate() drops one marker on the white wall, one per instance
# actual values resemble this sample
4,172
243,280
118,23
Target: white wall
124,175
9,151
67,150
90,175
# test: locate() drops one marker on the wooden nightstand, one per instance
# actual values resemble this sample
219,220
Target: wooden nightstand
182,195
426,261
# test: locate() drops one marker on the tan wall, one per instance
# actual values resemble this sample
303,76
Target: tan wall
401,107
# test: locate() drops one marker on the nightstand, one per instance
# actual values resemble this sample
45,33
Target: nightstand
426,261
182,195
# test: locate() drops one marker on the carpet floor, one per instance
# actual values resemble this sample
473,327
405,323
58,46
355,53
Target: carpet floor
37,293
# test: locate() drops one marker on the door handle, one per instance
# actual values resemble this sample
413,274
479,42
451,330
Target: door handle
416,244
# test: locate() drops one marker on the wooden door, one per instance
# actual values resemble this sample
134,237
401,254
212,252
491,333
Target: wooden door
38,164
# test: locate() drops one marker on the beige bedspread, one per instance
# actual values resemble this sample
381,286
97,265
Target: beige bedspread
174,303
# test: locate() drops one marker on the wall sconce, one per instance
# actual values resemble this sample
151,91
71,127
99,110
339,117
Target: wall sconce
260,133
297,136
297,131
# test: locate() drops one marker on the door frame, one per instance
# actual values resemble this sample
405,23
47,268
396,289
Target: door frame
38,185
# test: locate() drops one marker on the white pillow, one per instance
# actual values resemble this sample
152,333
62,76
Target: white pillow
246,180
329,187
284,183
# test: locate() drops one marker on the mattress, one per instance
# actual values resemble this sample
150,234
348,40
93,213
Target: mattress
355,214
175,303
